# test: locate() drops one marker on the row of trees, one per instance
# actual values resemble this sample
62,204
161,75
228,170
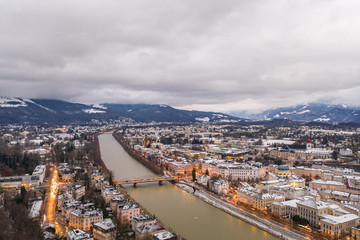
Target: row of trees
14,220
15,161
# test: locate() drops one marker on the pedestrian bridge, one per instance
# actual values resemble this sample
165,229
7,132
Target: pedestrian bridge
148,180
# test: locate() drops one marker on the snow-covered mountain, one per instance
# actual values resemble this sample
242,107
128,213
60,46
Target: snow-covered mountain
20,110
313,112
164,113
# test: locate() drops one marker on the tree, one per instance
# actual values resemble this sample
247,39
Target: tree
111,178
103,208
86,180
335,155
7,172
193,173
300,220
15,223
278,162
23,191
121,229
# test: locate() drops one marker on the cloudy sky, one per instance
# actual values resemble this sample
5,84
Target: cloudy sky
203,54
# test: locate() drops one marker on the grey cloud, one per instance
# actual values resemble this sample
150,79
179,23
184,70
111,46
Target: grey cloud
209,55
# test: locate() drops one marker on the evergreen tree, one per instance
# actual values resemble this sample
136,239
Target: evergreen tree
335,155
193,174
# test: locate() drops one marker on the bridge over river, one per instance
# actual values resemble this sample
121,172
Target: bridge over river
148,180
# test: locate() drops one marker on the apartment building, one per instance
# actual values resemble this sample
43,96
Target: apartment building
128,211
84,219
221,187
77,234
259,201
109,192
104,230
338,226
330,185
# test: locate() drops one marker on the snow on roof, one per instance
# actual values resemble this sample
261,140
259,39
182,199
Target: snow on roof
149,228
340,193
143,218
129,205
319,181
35,209
83,213
164,235
315,204
78,234
333,220
107,224
39,170
290,203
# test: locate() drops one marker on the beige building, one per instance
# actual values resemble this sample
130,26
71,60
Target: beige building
285,209
76,190
311,211
180,168
84,220
338,226
259,201
310,172
104,230
77,234
355,233
330,185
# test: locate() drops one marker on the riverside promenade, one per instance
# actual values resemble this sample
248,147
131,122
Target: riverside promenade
274,229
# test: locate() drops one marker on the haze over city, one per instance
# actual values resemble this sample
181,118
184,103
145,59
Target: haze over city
204,55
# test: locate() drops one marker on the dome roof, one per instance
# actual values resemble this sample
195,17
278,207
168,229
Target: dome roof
283,168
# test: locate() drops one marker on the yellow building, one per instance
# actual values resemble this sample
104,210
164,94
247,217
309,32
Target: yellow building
104,230
338,226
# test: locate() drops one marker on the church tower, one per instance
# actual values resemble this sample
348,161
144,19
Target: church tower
309,144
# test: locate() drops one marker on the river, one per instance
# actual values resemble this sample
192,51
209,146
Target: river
182,212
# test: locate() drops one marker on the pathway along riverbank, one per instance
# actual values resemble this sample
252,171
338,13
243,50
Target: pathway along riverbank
263,224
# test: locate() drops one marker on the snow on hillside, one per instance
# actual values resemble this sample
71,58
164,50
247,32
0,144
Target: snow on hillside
92,111
99,106
228,120
217,115
321,119
204,119
302,112
6,102
30,101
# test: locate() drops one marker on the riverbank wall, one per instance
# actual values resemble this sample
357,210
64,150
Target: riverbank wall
267,226
97,156
137,156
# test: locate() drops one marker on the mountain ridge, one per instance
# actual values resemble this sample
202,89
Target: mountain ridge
312,112
21,110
